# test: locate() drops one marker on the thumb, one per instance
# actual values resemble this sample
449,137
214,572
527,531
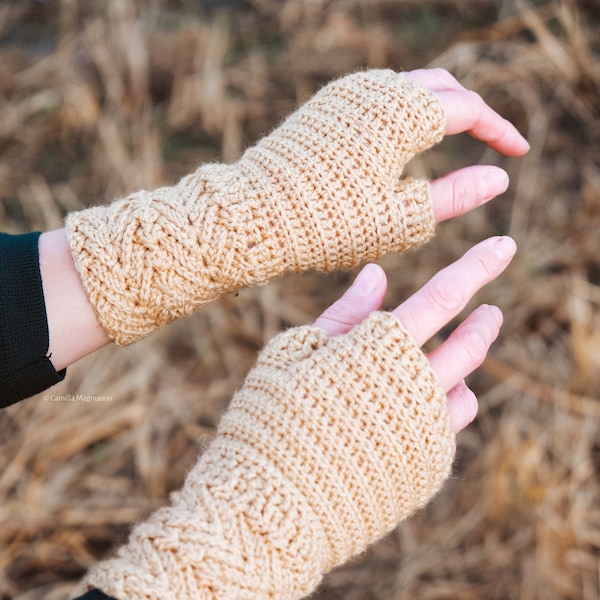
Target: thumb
364,296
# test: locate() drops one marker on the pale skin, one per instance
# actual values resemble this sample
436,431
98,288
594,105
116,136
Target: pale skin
75,332
429,309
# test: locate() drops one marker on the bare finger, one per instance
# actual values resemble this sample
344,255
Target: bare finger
465,189
436,80
462,406
467,346
467,112
449,291
364,296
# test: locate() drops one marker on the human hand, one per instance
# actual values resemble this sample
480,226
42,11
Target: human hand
465,189
324,191
330,442
432,307
466,111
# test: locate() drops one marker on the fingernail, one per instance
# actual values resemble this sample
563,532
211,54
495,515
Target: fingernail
367,281
505,247
493,181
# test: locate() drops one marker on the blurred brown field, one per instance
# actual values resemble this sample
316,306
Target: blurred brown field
101,98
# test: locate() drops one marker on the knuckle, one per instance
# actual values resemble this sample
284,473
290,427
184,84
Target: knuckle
444,295
485,267
477,105
473,345
463,406
463,188
470,404
444,75
472,408
337,315
475,97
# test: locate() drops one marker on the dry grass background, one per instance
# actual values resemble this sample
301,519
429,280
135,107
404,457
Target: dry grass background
99,98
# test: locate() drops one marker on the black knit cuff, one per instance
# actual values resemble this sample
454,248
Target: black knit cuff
25,368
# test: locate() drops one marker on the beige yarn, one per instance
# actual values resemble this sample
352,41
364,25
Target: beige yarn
330,442
322,192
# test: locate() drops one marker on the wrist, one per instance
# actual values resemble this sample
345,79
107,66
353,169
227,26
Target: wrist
73,328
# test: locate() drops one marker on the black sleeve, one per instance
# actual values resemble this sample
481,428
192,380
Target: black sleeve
25,368
94,595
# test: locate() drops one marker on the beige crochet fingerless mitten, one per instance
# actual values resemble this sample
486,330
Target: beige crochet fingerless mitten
328,445
322,192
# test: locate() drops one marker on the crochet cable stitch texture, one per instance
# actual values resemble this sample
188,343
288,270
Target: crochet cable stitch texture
323,191
328,445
